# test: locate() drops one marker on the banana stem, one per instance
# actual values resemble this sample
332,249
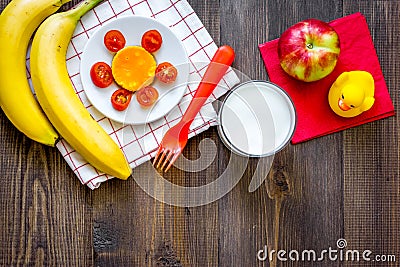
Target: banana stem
83,7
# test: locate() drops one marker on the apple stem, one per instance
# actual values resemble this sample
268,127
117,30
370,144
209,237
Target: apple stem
309,46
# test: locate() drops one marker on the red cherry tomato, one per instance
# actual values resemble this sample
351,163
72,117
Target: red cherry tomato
147,96
114,40
121,98
101,74
166,72
151,41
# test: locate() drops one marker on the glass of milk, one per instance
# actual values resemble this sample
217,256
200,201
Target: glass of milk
256,119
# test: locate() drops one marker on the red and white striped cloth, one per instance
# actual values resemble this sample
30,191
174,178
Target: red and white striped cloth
140,142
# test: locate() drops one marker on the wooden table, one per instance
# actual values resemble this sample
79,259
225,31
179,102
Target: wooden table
345,185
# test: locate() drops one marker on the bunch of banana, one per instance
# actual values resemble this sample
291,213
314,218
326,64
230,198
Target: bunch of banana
18,21
57,97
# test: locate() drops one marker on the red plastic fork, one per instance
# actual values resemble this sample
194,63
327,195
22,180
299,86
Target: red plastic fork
175,138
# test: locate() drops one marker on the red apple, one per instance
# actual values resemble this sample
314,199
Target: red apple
309,50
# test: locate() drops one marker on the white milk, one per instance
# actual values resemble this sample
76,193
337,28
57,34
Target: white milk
257,119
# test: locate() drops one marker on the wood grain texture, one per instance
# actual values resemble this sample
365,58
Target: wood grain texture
345,185
45,211
45,215
371,152
132,229
312,216
243,216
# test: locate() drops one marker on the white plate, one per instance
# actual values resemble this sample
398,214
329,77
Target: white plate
172,50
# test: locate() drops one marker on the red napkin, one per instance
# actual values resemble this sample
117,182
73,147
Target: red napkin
314,116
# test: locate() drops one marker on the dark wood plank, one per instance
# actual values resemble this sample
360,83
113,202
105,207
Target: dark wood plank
242,215
305,221
45,211
312,216
371,152
133,229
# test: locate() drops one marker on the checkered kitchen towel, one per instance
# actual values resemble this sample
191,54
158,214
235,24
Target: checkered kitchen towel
140,142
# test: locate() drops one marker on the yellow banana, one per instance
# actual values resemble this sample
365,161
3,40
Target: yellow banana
57,97
18,21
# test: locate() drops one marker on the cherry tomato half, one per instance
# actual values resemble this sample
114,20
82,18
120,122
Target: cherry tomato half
101,74
121,98
151,41
147,96
114,40
166,72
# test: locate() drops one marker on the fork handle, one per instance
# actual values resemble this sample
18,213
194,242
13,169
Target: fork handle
217,68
